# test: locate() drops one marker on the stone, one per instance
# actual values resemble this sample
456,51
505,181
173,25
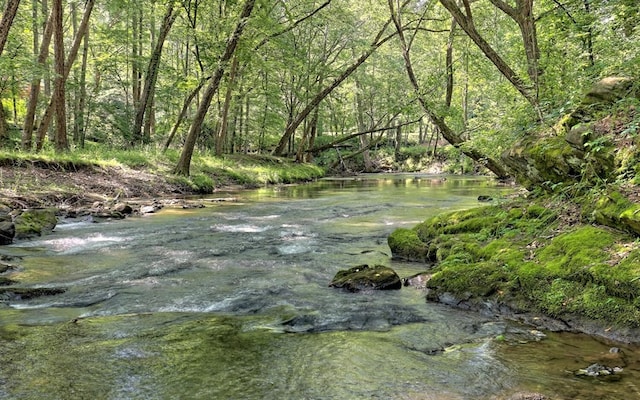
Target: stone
7,232
35,222
123,208
364,277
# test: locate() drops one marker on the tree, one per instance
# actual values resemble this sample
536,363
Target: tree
379,40
151,76
34,92
58,98
184,164
466,22
452,137
10,11
63,68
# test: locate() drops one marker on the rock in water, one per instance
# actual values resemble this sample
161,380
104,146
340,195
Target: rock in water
364,277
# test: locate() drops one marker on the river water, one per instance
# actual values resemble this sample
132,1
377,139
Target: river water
231,301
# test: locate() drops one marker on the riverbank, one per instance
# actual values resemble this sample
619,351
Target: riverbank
76,185
568,251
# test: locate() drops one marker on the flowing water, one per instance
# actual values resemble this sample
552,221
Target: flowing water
231,302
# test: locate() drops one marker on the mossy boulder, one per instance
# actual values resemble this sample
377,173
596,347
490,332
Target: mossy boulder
406,245
583,146
35,222
364,277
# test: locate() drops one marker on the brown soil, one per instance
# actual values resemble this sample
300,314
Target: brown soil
35,185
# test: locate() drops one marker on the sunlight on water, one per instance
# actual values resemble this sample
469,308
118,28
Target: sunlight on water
232,301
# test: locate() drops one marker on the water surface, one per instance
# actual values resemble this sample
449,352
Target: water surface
231,302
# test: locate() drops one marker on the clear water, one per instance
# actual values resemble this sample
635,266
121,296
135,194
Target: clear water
231,302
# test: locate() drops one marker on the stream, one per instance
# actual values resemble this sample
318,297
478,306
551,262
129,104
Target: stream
231,301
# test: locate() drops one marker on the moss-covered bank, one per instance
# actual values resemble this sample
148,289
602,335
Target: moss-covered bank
523,255
569,249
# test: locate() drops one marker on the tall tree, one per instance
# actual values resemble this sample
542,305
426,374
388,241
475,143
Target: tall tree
322,94
63,73
146,99
466,21
58,98
34,92
184,163
522,14
449,134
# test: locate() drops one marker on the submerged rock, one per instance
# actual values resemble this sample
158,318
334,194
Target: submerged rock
600,371
364,277
24,293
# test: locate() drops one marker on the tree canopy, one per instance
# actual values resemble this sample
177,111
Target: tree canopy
270,76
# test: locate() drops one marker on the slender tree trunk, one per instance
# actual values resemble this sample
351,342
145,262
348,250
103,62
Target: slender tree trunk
10,11
73,102
152,73
136,74
4,130
34,93
522,14
183,113
58,98
73,52
452,137
82,100
467,24
224,119
449,62
184,164
295,123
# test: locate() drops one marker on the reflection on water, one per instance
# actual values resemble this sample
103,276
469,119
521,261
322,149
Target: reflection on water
231,302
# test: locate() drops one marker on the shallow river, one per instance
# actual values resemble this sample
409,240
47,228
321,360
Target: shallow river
231,302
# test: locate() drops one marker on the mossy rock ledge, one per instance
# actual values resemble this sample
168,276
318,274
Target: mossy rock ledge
522,260
365,277
590,144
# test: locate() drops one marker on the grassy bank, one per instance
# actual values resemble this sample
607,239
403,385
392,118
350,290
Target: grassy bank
50,177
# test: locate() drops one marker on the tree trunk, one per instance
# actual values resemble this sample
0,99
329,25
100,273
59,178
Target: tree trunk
449,62
82,100
522,14
466,23
48,114
152,74
34,93
10,10
58,98
228,98
295,123
183,113
4,131
452,137
184,164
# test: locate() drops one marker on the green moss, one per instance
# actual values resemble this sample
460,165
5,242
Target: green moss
470,280
616,211
578,249
405,244
34,222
